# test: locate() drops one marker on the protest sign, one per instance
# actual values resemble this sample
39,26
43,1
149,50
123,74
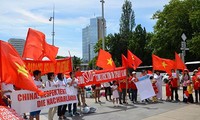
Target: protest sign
101,76
26,101
144,87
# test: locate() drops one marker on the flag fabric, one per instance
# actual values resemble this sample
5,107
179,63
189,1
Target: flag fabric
13,69
162,64
36,46
179,64
50,52
124,61
133,61
105,60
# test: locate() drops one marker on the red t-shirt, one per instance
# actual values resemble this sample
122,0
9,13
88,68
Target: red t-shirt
195,82
174,82
168,90
132,84
123,84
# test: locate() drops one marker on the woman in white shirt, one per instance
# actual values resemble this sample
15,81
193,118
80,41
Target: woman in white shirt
61,108
49,84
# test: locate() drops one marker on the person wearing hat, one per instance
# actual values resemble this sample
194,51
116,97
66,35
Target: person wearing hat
133,87
184,80
195,84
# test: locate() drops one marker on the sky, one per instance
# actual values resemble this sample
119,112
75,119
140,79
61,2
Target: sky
71,16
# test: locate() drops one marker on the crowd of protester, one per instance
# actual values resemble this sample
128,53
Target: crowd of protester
117,92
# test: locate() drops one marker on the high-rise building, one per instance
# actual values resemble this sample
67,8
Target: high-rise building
18,44
90,35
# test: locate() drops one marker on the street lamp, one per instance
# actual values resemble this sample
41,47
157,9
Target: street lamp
53,33
103,25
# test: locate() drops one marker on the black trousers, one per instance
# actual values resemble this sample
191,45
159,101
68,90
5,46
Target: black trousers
74,108
108,92
184,89
190,98
196,95
134,95
122,95
174,90
61,110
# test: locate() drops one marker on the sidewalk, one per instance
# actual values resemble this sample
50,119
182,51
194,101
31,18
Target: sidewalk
152,111
189,112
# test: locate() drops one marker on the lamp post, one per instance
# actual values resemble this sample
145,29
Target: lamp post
103,25
52,19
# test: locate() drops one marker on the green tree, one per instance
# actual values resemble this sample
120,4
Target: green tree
76,61
138,44
176,18
127,21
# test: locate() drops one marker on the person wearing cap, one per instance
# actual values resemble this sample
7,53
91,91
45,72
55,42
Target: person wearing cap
184,80
174,85
133,88
195,84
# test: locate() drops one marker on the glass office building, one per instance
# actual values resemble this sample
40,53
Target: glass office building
90,35
18,44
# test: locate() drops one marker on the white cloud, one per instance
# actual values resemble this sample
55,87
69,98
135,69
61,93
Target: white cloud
16,16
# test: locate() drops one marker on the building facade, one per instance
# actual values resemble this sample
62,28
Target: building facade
90,36
18,44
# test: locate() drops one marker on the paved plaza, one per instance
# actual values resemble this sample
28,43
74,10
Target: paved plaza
152,111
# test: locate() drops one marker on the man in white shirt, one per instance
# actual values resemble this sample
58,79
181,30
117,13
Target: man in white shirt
38,83
108,92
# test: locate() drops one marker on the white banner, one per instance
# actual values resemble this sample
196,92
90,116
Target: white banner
145,88
24,101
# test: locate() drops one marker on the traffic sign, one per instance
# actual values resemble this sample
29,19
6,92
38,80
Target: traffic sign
183,36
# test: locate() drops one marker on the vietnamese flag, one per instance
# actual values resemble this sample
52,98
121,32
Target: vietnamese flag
105,60
133,61
124,61
36,46
179,63
162,64
13,69
50,51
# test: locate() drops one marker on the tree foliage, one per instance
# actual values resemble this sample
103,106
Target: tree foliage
127,21
178,17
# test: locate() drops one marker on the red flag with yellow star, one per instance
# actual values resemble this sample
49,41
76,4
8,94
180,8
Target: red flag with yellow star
162,64
105,60
179,63
133,61
13,69
36,46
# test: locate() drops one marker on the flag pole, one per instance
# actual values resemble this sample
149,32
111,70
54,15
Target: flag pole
0,62
126,86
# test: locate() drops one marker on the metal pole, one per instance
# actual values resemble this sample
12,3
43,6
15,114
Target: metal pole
53,33
103,25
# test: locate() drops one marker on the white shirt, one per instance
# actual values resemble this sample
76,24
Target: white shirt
38,83
75,84
6,87
50,84
106,84
60,83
